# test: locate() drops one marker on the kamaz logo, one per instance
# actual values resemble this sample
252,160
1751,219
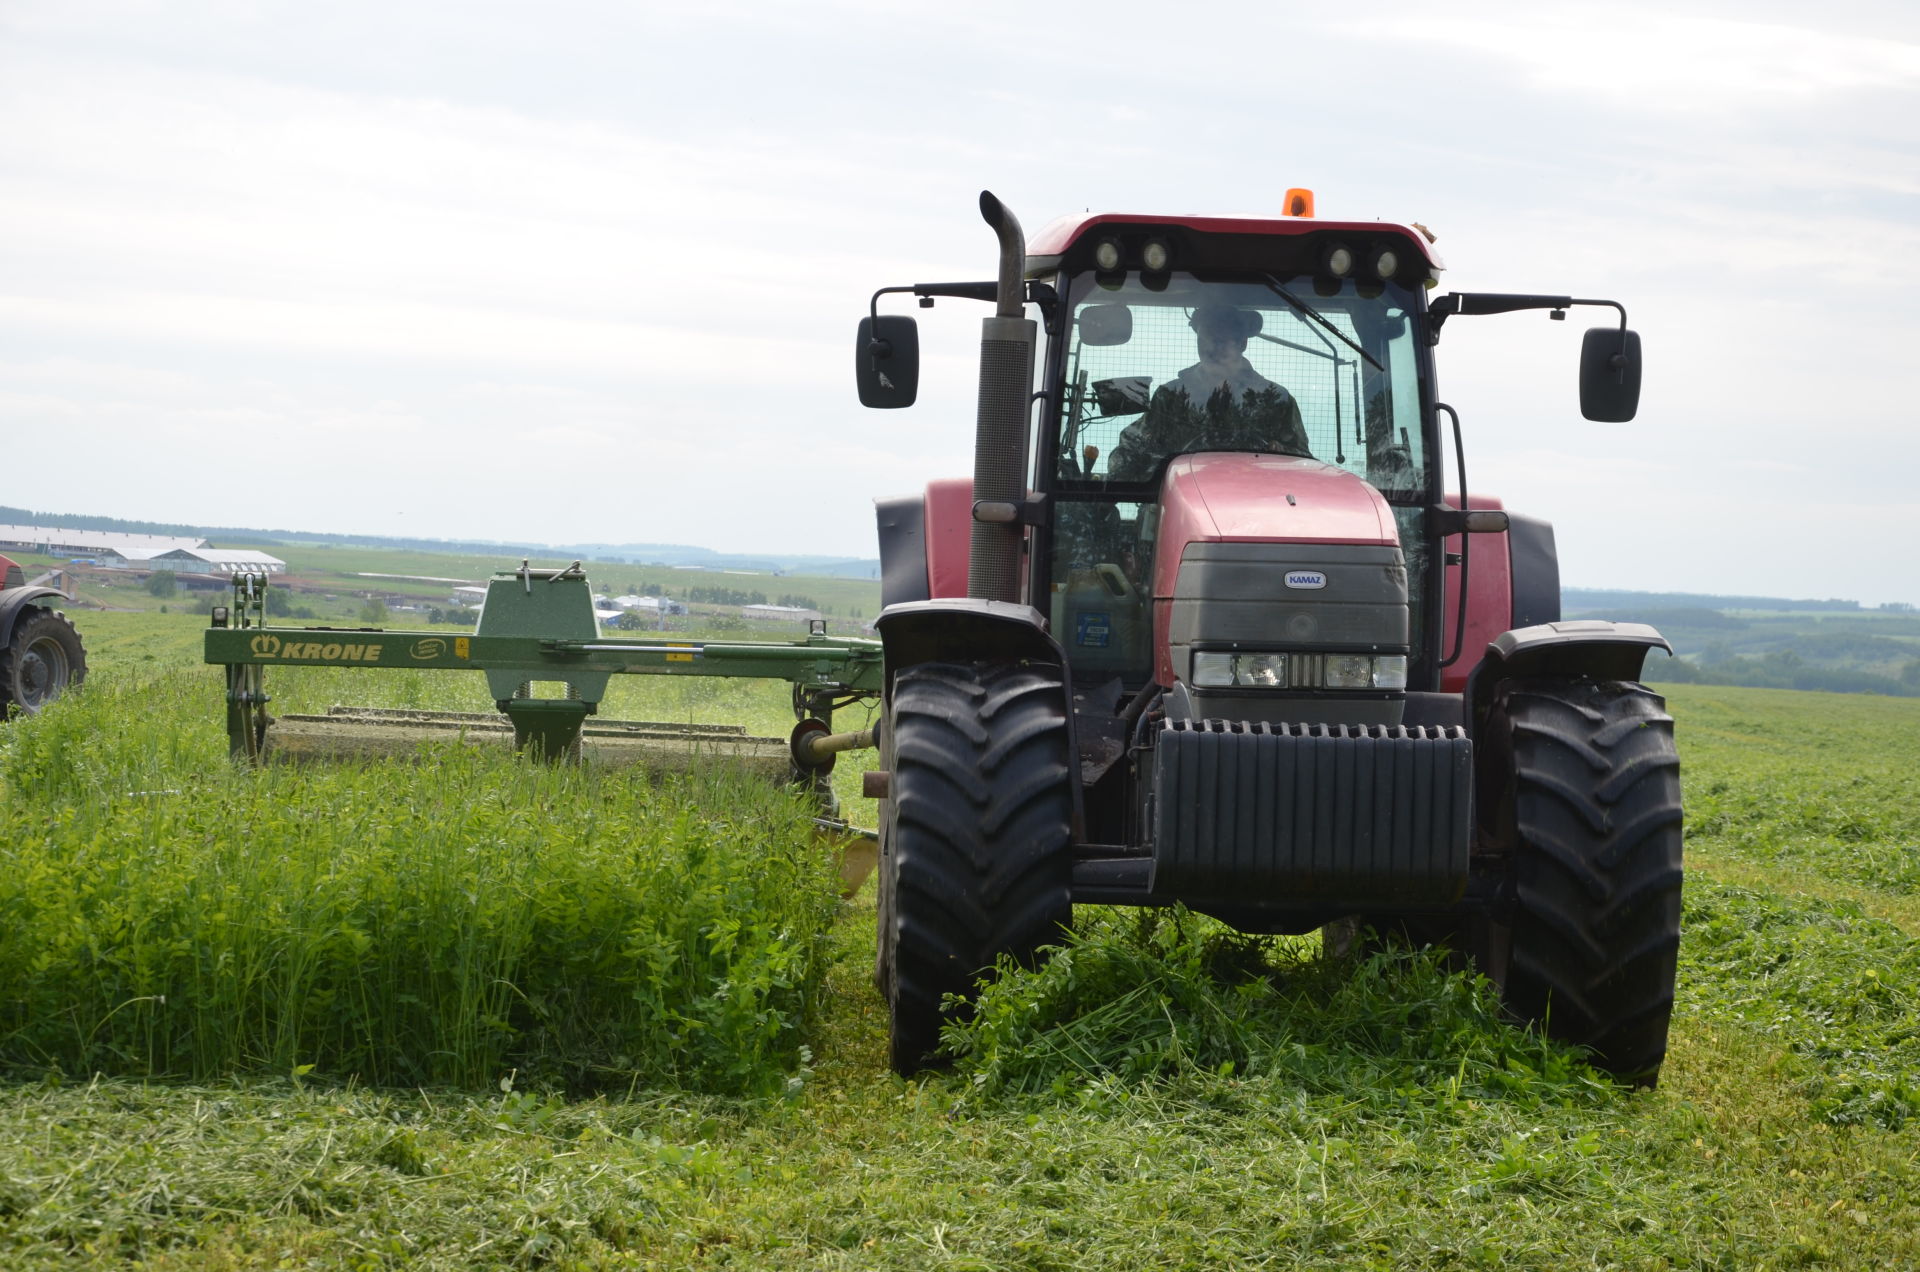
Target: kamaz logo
286,651
1306,578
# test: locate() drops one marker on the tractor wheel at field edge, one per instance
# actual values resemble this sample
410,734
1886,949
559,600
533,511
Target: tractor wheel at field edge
976,844
43,659
1589,803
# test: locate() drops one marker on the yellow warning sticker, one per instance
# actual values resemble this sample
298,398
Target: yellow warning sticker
462,647
686,657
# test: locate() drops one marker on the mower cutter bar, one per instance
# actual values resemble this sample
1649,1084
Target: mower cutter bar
546,665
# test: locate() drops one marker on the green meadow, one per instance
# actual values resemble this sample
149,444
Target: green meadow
469,1013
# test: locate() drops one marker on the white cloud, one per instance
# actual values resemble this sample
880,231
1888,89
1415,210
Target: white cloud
1662,61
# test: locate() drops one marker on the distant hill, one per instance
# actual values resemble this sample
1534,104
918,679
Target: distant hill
1594,598
620,553
1826,646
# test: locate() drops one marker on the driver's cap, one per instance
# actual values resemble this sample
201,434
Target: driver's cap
1225,320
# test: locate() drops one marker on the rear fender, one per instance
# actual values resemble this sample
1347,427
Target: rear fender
1513,579
925,542
903,549
1592,648
14,602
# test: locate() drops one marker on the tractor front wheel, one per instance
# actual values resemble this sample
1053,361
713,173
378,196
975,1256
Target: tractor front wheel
976,842
42,661
1585,794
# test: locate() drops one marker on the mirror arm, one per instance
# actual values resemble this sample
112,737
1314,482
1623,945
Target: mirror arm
1445,307
877,348
1038,293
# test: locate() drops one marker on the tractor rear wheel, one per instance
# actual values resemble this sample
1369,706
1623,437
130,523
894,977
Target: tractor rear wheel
1588,803
42,661
976,843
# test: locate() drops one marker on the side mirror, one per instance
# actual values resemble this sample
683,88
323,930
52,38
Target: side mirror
886,361
1610,374
1105,325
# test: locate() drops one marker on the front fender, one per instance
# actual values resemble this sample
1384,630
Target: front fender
1594,648
963,629
14,602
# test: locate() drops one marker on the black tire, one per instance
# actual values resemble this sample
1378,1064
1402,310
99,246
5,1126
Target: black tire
41,661
976,843
1588,803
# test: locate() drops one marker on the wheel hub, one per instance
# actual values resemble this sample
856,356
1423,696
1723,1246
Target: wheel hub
43,670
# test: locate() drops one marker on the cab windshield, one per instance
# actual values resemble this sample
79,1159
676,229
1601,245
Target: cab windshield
1288,365
1294,366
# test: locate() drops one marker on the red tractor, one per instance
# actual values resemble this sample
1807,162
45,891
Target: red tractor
40,653
1207,627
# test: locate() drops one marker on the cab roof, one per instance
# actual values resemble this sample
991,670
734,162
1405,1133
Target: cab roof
1054,238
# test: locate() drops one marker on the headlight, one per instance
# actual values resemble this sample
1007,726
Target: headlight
1262,671
1348,671
1213,669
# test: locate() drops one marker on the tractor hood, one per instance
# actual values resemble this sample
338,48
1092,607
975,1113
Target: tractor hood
1243,498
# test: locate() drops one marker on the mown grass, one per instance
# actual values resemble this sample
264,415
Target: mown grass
1807,783
1155,997
1163,1095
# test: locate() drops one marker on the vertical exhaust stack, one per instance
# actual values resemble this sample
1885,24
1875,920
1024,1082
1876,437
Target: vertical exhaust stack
1000,436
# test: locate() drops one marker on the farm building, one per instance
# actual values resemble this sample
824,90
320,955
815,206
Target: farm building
647,604
180,553
196,560
778,613
62,541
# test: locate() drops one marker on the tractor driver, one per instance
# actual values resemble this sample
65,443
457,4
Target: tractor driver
1218,403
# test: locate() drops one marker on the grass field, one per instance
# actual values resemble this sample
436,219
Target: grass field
462,1014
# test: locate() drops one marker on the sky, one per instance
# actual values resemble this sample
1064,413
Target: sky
590,271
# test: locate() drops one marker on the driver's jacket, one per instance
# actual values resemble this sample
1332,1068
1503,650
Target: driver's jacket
1246,412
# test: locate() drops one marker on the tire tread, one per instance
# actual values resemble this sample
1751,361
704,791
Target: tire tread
976,860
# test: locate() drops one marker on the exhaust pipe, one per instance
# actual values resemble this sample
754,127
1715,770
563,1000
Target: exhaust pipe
1000,435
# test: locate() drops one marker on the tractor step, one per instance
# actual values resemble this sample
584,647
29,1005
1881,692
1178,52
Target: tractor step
351,733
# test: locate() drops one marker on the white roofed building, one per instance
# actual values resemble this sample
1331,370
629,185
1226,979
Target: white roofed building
778,613
183,554
199,560
61,541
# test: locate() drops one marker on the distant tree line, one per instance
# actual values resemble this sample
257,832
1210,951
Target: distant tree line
1584,598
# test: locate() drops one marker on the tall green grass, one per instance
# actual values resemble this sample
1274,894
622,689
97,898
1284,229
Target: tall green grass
163,912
